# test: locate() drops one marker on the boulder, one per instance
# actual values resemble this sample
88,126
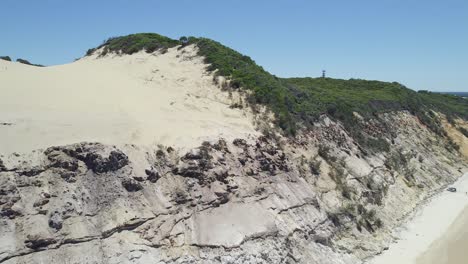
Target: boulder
153,175
100,164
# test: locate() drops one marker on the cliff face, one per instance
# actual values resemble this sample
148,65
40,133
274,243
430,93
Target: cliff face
316,199
175,167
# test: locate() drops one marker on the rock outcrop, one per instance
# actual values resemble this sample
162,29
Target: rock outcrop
319,198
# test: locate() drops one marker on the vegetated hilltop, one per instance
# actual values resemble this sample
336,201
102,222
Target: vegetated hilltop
298,102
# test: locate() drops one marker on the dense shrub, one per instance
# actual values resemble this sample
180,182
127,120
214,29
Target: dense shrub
130,44
23,61
6,58
464,131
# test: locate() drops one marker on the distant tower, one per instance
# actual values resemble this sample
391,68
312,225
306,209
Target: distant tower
324,73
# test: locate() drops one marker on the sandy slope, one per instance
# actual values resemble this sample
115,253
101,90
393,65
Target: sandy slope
140,99
433,222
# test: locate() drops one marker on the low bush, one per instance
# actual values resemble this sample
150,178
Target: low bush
6,58
23,61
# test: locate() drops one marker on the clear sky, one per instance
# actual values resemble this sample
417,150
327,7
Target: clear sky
420,43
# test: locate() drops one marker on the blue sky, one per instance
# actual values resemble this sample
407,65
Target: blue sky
420,43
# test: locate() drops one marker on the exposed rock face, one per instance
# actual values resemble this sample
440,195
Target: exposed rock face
2,166
318,199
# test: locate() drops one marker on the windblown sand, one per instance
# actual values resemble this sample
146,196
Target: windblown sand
141,99
452,247
435,234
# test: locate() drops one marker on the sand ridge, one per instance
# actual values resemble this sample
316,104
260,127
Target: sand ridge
141,99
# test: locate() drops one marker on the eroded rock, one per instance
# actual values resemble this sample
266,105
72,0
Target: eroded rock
56,220
131,185
2,166
36,241
100,164
153,175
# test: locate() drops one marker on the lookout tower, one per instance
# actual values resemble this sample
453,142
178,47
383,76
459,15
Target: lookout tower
324,73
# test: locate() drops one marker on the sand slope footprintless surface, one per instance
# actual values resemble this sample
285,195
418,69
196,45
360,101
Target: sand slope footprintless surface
139,99
451,247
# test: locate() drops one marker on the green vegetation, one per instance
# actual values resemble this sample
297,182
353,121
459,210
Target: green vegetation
130,44
6,58
298,102
356,214
464,131
23,61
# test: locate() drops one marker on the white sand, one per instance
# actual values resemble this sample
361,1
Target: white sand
451,247
140,99
427,225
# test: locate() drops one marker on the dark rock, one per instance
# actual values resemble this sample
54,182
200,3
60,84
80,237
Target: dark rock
68,176
180,197
170,149
42,211
239,142
2,167
153,176
59,159
9,212
221,175
324,240
131,185
223,197
35,241
138,178
90,154
41,202
160,154
221,146
190,169
100,164
31,172
8,189
452,189
194,154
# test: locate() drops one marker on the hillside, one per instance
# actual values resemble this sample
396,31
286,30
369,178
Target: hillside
298,102
154,150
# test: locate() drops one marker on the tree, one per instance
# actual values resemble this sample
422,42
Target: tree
184,40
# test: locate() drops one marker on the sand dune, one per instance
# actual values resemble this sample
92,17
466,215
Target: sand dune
142,99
